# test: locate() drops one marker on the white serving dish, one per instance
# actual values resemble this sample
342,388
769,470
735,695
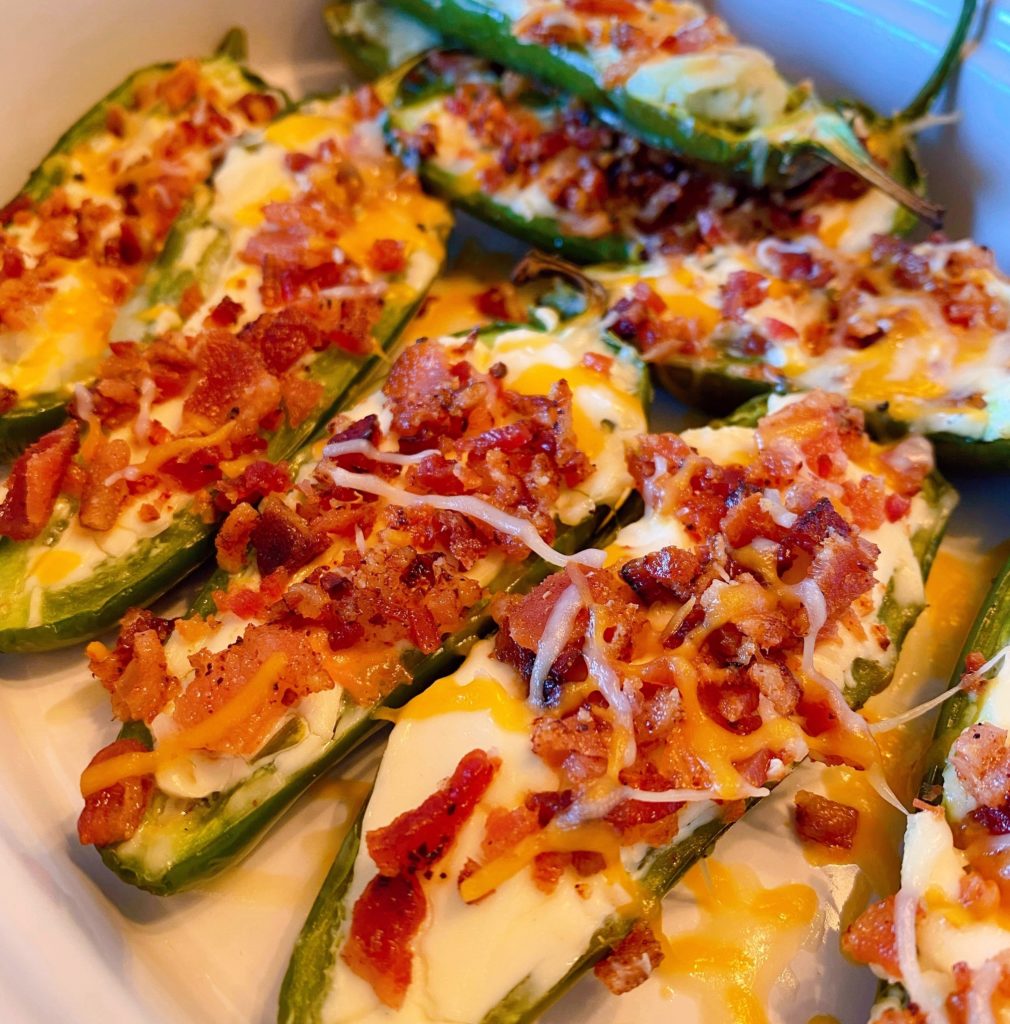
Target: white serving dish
78,946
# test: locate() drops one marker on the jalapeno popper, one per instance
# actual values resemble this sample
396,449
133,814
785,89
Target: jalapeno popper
941,942
322,245
674,76
357,587
916,335
532,809
545,169
94,215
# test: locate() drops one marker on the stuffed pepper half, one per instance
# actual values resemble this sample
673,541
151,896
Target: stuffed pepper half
677,78
941,943
532,809
544,168
915,335
321,246
482,463
79,236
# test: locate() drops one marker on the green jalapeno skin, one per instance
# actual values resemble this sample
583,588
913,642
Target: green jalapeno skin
35,414
716,387
782,155
305,986
373,39
989,634
213,836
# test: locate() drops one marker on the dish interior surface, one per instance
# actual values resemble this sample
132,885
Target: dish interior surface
78,945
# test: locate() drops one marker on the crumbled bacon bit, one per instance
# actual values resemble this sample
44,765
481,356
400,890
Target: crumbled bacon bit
662,575
981,759
870,938
113,814
233,537
495,303
419,838
101,501
743,290
824,821
387,256
280,538
388,914
631,961
225,313
35,481
380,943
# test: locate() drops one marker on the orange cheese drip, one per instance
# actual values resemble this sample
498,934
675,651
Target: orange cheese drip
744,942
593,836
878,834
235,712
158,456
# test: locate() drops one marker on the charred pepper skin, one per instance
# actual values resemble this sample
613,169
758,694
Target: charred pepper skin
304,988
780,155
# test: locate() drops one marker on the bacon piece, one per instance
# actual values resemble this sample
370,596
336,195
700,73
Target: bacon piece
995,820
8,399
225,313
101,502
576,746
282,338
809,532
107,666
387,256
496,303
748,519
843,570
380,943
35,481
742,291
229,372
778,684
389,913
505,829
420,391
820,430
418,838
253,484
645,821
662,575
301,397
280,538
631,961
144,687
220,676
981,760
233,537
824,821
733,704
867,500
792,265
113,814
870,939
